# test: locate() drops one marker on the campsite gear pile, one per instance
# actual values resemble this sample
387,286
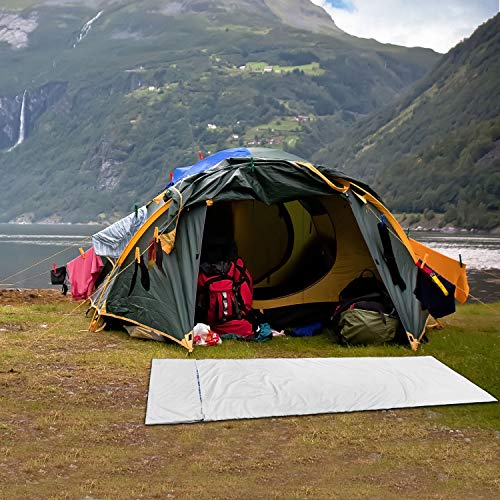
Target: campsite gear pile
224,296
303,233
366,314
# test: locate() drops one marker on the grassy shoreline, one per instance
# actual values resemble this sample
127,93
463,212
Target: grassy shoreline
72,410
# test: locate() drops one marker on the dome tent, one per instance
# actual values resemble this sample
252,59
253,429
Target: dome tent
304,231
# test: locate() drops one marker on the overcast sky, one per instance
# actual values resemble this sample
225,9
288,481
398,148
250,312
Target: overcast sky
437,24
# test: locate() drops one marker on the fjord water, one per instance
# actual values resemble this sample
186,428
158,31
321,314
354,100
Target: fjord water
481,254
478,251
22,245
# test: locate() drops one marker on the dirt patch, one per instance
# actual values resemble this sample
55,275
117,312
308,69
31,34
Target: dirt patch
24,296
12,327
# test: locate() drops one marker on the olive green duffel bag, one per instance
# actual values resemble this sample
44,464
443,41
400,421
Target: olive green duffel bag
358,327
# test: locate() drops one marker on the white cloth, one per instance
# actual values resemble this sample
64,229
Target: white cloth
175,399
253,388
111,241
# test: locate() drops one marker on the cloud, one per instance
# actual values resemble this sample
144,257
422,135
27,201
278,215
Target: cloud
439,25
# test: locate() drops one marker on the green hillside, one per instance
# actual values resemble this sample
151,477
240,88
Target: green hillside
111,109
439,147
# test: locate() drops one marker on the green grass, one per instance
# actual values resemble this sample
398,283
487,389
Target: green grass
285,128
72,409
311,69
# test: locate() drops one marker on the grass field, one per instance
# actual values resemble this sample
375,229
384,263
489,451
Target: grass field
311,69
72,409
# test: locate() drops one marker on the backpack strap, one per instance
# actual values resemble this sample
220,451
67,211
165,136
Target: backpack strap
243,271
244,278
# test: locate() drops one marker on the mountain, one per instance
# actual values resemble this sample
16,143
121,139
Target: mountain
438,148
101,99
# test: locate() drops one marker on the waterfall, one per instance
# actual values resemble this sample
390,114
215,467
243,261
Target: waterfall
22,123
86,28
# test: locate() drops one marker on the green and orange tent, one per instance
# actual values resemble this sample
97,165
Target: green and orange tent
304,231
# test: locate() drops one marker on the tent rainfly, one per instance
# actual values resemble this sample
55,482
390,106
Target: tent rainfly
304,231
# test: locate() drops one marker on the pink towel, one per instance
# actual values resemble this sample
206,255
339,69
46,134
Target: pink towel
83,273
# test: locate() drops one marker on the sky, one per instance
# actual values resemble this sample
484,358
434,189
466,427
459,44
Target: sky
436,24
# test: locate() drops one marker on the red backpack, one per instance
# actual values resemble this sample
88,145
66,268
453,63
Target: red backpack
225,294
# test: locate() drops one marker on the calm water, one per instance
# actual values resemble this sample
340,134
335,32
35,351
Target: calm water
481,253
24,244
21,245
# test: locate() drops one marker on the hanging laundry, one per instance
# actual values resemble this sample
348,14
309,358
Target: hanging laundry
155,254
145,279
389,257
59,276
83,273
111,242
436,297
151,253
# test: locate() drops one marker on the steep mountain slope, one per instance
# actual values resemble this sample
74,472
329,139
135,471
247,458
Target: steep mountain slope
100,99
439,147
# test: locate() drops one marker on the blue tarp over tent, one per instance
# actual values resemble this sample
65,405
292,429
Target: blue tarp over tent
209,161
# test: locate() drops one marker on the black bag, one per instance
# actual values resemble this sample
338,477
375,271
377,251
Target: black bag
58,277
365,313
362,286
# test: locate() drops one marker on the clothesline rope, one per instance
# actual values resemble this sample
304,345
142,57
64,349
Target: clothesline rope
44,273
50,257
58,323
